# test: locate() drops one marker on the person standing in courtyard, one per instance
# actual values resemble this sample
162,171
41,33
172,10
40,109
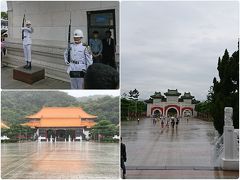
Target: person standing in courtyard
27,41
79,59
123,158
109,50
172,122
162,123
177,121
167,124
138,120
154,121
96,47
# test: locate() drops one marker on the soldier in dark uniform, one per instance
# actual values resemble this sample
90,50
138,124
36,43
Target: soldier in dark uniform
123,158
108,51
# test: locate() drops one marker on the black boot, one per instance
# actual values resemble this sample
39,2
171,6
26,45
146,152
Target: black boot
25,65
29,66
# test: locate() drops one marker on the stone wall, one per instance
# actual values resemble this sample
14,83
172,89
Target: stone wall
163,105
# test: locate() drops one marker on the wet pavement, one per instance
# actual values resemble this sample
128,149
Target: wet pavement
188,145
183,152
68,160
181,174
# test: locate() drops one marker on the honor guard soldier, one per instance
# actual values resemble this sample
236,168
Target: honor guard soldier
27,41
79,59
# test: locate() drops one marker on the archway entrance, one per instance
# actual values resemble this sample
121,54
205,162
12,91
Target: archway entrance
172,112
187,113
156,113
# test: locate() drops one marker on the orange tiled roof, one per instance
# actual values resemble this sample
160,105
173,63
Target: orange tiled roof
65,123
60,123
4,126
61,112
32,124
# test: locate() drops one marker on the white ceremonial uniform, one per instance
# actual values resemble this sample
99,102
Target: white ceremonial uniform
82,55
27,41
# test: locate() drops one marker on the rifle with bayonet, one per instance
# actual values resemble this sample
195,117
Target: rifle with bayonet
69,40
23,26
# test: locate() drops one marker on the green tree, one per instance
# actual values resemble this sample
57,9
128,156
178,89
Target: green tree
203,110
104,129
224,92
131,107
4,15
18,132
134,94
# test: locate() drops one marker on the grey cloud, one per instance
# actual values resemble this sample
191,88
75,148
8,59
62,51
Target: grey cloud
175,44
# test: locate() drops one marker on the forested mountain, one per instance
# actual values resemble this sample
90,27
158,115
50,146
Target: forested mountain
87,98
18,104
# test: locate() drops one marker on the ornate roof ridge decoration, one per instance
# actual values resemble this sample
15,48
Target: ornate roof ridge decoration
187,95
157,95
150,100
172,92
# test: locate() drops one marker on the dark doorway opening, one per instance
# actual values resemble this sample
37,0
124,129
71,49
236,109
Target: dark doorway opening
101,21
60,134
156,113
172,112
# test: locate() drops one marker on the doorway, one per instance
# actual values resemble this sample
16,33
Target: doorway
156,113
172,112
61,134
101,21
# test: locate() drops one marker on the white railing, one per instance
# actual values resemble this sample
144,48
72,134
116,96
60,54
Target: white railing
4,138
218,150
236,141
40,138
79,138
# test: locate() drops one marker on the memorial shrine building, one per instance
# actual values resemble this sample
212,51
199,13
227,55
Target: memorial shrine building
61,123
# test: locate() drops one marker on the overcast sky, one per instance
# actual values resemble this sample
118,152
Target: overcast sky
82,93
3,5
175,45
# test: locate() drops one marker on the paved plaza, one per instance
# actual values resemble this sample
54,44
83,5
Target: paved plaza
155,152
182,174
48,83
60,160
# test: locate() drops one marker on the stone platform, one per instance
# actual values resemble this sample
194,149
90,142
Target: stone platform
7,82
29,76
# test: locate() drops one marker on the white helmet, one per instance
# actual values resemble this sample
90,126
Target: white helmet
28,22
78,33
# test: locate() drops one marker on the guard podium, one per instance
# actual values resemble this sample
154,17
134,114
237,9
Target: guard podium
29,76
